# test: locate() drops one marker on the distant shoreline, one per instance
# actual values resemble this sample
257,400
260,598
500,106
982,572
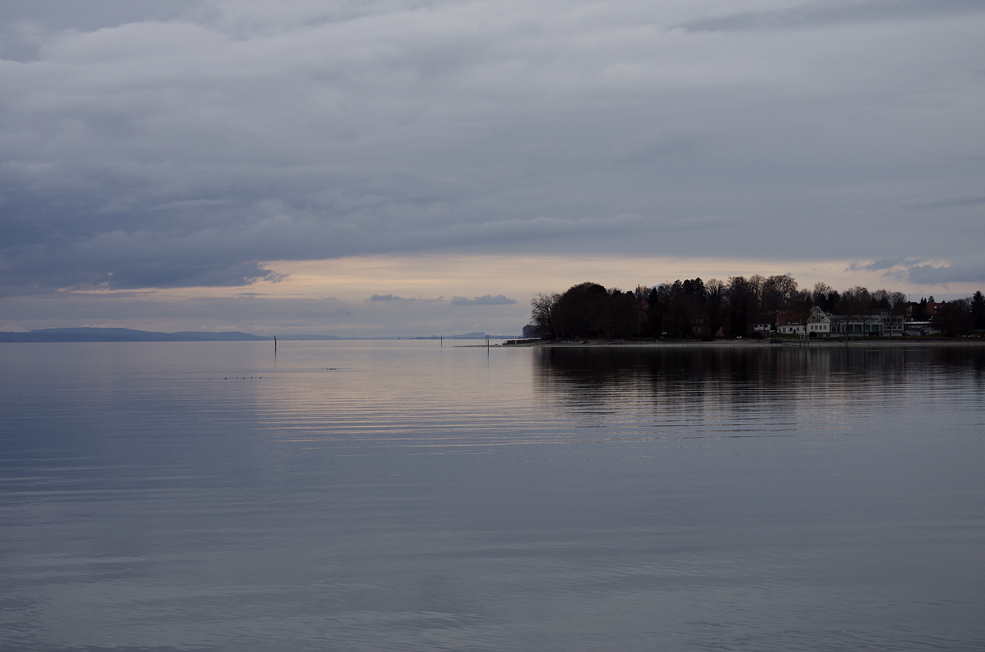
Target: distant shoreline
120,335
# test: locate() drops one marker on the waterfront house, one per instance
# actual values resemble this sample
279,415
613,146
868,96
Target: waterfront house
818,323
788,323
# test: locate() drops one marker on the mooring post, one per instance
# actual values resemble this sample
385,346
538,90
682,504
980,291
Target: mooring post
275,344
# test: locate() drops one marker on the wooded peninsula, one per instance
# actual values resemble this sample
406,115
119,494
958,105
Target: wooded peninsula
747,307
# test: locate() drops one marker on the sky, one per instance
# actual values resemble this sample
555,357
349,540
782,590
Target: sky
386,167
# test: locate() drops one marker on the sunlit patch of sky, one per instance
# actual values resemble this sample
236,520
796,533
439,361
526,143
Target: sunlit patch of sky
387,296
184,151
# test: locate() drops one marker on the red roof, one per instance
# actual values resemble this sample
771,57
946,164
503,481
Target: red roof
787,319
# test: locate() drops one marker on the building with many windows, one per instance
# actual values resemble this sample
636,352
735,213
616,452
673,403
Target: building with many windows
819,323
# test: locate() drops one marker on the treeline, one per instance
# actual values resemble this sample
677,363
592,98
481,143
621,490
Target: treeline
695,308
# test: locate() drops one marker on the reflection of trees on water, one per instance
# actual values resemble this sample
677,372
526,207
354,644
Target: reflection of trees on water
728,385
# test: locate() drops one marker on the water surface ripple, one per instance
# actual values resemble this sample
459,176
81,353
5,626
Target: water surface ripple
407,496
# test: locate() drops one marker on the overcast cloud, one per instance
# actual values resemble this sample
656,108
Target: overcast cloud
488,300
181,143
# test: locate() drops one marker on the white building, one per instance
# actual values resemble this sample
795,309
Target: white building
789,324
818,323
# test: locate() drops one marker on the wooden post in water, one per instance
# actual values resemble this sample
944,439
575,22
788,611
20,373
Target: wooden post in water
275,345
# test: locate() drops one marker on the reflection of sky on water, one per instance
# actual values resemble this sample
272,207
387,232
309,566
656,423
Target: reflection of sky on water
389,495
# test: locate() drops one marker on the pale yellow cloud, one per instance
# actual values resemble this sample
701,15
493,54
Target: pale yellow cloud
356,279
520,277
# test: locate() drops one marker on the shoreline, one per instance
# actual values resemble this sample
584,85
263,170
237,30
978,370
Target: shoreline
753,344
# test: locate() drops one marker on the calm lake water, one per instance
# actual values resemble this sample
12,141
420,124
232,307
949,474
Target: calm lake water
402,496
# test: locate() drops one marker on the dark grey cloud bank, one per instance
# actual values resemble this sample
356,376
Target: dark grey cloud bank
811,15
175,144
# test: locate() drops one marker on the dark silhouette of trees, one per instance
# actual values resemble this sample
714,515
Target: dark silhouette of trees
743,302
621,315
543,314
819,295
716,305
693,308
824,297
657,303
686,310
920,311
899,307
897,303
586,310
879,301
776,293
977,302
581,310
855,304
954,318
799,304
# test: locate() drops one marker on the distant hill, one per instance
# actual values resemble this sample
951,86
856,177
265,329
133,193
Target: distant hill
130,335
125,335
